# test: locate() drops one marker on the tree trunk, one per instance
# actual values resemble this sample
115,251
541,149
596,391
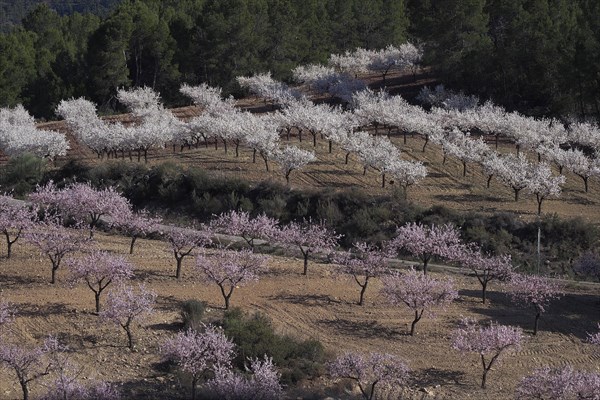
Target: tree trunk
24,388
330,146
485,371
425,263
362,290
483,291
54,268
414,323
97,298
133,239
129,336
382,180
426,141
464,168
489,180
516,194
347,156
305,272
535,323
178,271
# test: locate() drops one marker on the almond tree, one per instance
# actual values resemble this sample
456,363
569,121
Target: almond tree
82,202
67,383
363,262
124,305
197,353
371,371
426,242
407,173
419,292
98,270
239,223
516,173
15,218
543,184
27,363
487,268
19,135
55,241
263,384
492,342
292,158
534,291
309,237
562,383
137,225
230,269
183,242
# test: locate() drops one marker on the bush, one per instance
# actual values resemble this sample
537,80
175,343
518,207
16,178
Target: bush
254,336
192,312
22,174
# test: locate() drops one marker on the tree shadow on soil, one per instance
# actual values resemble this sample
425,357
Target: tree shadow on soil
43,310
361,329
305,299
434,376
572,314
15,280
152,389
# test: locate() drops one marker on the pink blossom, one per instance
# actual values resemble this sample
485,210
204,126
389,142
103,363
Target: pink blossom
492,341
239,223
15,218
124,305
7,313
183,242
426,242
230,269
563,383
486,268
55,241
263,384
363,263
534,291
137,225
371,371
309,237
594,338
418,292
98,270
27,363
196,352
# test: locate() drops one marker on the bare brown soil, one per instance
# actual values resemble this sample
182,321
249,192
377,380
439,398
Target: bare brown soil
320,306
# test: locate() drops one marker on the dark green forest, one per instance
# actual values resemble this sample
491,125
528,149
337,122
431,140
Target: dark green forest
540,57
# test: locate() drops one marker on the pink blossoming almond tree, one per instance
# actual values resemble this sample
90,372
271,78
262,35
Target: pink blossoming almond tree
263,384
28,363
363,262
588,265
426,242
197,353
15,218
534,291
563,383
491,342
138,224
183,242
487,268
420,293
124,305
82,202
230,269
67,382
309,238
371,371
98,270
55,241
239,223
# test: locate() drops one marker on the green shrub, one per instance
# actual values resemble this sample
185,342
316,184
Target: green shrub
192,312
22,174
255,336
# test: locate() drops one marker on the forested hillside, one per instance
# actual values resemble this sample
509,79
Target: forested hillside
12,12
540,57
